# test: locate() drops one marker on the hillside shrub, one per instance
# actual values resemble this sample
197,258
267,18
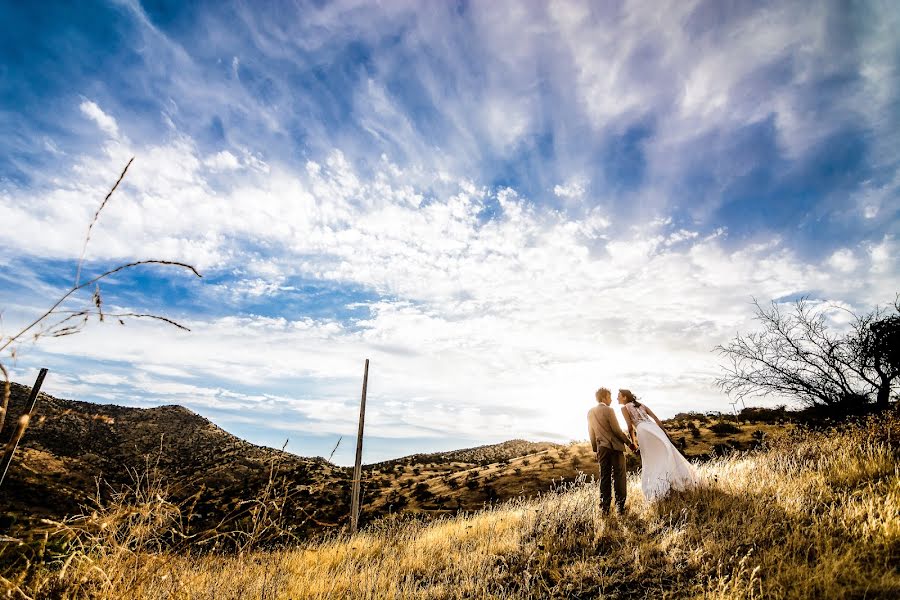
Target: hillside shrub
724,428
694,430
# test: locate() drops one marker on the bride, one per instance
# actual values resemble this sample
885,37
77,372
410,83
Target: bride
663,466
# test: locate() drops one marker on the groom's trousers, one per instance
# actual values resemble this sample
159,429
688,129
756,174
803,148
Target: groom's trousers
612,476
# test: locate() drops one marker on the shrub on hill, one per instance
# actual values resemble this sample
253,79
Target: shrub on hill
724,428
693,429
757,414
422,492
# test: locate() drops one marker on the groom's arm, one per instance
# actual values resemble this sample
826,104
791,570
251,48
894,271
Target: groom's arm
592,433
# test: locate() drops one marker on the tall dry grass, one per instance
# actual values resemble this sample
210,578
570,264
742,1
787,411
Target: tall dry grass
815,515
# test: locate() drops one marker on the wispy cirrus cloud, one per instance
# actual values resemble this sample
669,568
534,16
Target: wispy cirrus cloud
106,123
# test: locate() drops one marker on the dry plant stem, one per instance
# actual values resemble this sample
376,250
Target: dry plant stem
90,282
87,237
73,314
333,450
21,426
7,390
79,286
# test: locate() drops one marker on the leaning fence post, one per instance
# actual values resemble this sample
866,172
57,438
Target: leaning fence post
357,470
22,425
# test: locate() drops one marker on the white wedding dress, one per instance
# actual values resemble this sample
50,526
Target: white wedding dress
663,467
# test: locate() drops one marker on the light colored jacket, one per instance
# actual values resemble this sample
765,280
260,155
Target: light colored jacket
604,429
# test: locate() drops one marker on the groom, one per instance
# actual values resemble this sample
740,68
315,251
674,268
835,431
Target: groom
608,442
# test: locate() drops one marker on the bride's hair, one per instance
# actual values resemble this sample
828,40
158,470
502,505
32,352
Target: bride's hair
629,395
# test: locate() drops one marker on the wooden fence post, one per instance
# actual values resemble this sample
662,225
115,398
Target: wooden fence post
21,426
357,470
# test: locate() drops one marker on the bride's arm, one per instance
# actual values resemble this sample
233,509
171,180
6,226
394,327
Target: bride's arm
655,418
630,424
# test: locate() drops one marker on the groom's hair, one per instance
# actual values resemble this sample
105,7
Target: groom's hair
602,393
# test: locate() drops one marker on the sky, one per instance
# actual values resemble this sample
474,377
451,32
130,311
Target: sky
503,205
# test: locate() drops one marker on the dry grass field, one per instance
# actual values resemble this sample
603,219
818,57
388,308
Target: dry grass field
809,514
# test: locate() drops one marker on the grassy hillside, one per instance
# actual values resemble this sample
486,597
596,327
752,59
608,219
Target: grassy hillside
810,515
74,452
211,474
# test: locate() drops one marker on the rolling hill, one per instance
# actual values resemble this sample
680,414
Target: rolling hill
76,454
815,513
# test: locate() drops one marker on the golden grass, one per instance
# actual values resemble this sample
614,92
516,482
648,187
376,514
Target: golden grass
817,515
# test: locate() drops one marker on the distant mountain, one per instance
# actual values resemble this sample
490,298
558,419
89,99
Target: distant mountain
481,455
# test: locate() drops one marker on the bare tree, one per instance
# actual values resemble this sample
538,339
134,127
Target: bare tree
877,343
796,354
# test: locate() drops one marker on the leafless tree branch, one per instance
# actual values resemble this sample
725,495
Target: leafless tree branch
795,354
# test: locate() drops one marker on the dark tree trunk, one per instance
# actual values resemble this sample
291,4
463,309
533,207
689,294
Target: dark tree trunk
882,401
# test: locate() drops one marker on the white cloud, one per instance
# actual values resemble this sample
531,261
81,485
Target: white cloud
103,379
573,190
879,201
222,161
680,236
255,288
843,260
103,120
51,147
506,120
884,256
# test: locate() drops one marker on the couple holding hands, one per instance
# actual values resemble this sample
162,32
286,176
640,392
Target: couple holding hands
663,467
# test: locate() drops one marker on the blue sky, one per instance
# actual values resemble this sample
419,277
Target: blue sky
503,204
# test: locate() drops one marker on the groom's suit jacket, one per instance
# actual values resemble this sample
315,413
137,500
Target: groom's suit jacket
604,429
